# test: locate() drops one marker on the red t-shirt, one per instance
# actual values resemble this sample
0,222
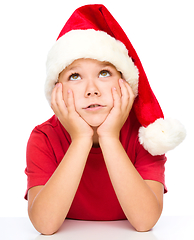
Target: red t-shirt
95,198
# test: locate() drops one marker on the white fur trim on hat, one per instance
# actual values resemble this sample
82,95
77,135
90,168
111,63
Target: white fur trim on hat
93,44
162,136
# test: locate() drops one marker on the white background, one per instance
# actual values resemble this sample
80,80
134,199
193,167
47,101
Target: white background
162,34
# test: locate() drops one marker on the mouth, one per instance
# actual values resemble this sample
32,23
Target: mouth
94,107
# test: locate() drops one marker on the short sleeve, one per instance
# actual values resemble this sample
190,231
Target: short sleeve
40,160
150,167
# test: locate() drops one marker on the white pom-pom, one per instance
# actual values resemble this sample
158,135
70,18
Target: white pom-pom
162,135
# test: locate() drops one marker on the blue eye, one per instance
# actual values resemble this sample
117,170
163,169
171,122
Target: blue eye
74,77
104,73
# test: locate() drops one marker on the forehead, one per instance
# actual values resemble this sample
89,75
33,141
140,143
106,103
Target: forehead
86,61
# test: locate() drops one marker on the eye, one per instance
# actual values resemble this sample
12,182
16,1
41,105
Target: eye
74,77
104,73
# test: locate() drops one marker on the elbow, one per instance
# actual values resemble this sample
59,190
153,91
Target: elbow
142,228
47,232
46,229
146,222
144,225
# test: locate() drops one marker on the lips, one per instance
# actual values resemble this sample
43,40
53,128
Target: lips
95,105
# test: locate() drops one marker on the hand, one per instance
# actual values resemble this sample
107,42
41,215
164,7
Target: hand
122,105
67,115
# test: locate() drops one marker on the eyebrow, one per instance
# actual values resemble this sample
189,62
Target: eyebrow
72,68
105,64
77,66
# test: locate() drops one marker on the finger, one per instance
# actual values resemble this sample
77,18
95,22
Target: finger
128,96
70,101
131,95
59,99
116,98
125,95
124,90
53,96
53,101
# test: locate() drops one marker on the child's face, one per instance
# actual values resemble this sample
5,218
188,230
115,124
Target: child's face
91,82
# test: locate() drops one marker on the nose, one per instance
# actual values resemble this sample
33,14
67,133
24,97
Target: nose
91,93
92,90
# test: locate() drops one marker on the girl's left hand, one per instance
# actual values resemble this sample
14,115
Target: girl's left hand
118,115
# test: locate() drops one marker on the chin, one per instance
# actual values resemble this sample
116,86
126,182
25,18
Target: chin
95,122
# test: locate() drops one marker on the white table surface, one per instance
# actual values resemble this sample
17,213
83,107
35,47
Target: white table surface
167,228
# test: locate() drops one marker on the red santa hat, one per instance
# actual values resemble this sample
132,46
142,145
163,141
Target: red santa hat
92,32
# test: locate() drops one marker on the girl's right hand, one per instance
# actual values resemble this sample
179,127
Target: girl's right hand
67,115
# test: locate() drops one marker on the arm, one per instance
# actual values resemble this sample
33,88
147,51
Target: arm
48,205
141,200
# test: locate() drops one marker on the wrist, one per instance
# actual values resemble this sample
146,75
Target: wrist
108,133
86,138
82,140
108,139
